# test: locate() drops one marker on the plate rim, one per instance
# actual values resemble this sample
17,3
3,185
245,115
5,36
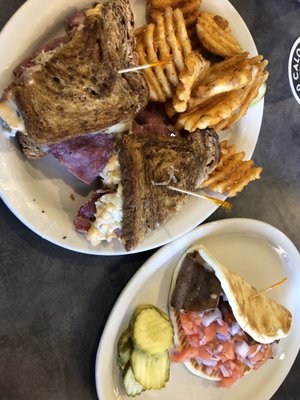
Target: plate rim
82,246
189,239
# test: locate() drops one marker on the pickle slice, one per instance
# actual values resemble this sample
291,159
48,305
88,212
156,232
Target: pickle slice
132,387
151,371
124,348
152,331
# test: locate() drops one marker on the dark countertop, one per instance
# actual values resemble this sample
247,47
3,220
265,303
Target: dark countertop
54,303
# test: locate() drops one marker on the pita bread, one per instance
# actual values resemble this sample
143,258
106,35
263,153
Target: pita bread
262,318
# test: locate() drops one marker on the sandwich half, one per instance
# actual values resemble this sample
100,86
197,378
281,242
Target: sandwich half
75,89
222,330
146,162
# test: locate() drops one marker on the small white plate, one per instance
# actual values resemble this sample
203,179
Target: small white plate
41,193
259,253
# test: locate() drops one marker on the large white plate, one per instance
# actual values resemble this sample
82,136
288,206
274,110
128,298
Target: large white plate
41,193
256,251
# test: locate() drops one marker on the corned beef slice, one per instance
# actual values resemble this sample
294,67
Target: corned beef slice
84,156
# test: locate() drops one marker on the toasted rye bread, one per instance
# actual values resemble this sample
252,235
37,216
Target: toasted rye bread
149,162
78,90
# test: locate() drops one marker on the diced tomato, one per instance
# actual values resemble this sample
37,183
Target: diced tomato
184,354
223,329
193,340
204,354
239,369
189,327
226,382
266,354
210,332
252,349
205,344
240,336
194,317
228,353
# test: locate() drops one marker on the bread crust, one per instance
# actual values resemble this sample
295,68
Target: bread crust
79,90
149,162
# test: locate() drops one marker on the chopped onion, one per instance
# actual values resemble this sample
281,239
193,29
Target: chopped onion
211,316
219,348
256,351
242,349
248,363
225,371
210,363
234,329
221,337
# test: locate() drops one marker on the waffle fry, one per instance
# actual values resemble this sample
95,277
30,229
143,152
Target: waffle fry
189,8
236,78
232,173
214,34
190,11
196,67
152,57
172,40
164,51
155,91
211,112
166,39
224,95
162,4
258,78
182,33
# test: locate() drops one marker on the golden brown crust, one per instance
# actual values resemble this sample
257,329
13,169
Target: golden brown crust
261,317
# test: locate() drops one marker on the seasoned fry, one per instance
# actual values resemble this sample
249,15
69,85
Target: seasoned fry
162,4
156,93
174,44
211,112
182,35
258,78
215,35
196,67
189,8
190,11
166,39
232,173
235,79
152,57
164,51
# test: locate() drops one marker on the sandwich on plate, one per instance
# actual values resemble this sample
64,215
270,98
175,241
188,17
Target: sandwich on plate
136,197
68,99
224,328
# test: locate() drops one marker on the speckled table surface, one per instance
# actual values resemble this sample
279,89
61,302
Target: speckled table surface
54,303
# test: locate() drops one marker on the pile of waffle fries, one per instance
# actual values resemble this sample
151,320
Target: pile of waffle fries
208,81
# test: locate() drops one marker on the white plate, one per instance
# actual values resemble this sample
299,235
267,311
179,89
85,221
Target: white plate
41,193
256,251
